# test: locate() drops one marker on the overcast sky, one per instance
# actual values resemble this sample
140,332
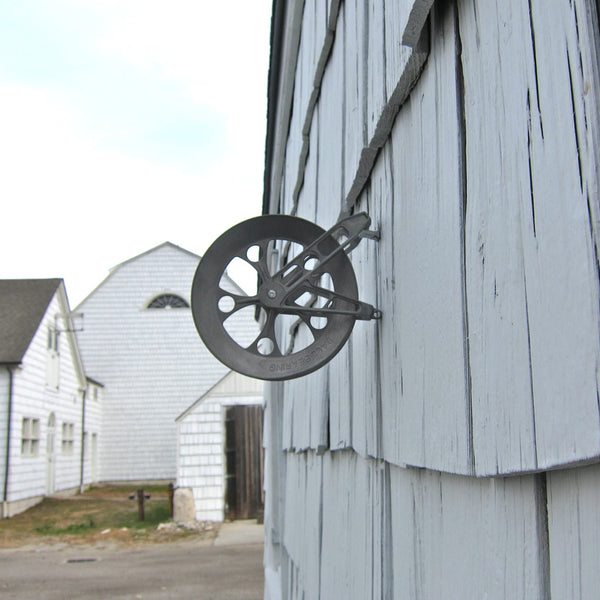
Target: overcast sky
125,124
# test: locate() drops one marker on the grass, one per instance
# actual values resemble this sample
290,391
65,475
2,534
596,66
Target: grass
48,528
101,514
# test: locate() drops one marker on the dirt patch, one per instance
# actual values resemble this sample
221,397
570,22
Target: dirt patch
102,515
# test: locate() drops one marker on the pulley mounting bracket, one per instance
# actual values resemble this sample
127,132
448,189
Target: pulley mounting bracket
317,288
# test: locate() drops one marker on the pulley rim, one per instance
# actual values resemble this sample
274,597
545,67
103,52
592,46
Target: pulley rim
206,293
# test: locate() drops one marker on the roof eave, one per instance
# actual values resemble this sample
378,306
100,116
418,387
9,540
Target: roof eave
277,21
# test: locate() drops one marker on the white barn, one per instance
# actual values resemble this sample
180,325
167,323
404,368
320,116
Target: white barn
50,412
451,449
139,340
206,439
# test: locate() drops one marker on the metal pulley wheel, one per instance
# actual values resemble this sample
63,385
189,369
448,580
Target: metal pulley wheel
305,302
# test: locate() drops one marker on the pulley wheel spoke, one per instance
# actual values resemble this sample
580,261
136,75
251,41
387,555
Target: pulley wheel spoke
266,342
260,265
229,303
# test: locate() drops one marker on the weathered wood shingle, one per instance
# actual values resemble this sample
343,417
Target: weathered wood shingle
458,423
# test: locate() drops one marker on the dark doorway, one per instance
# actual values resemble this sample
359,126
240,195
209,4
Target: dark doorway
244,454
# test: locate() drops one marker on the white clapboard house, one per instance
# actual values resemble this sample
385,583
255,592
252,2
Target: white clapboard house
49,410
140,341
61,430
451,449
223,466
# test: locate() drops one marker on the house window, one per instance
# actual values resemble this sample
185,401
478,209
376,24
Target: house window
30,437
53,339
93,392
68,438
53,358
168,301
96,393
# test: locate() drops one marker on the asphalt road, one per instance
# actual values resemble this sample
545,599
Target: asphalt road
180,570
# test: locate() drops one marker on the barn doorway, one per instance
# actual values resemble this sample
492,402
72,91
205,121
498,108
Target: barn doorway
244,462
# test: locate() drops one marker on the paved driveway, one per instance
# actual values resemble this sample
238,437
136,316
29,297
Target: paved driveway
230,569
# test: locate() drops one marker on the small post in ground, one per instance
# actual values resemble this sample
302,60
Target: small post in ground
140,499
171,492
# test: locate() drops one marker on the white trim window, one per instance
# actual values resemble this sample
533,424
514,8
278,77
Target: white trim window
168,301
30,437
68,438
95,392
53,358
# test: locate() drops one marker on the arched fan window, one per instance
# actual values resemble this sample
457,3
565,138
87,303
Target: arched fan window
168,301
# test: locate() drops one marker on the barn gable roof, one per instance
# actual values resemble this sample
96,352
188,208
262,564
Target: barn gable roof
158,291
118,267
164,244
23,303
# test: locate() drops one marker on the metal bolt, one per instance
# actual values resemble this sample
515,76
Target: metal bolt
272,294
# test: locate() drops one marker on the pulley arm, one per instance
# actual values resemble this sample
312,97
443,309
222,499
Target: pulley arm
306,268
337,304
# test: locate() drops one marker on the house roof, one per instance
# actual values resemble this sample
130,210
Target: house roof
23,303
